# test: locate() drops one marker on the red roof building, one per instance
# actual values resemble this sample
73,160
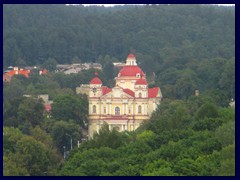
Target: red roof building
48,107
7,78
15,71
153,92
125,106
141,81
96,80
131,71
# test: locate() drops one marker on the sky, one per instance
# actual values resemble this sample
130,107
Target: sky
110,5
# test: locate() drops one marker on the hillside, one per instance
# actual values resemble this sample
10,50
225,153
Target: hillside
178,43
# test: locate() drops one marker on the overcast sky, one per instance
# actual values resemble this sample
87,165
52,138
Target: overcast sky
109,5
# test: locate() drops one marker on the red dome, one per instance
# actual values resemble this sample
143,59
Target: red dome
131,56
131,71
141,81
96,80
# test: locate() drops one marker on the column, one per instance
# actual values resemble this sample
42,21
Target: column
110,109
122,112
106,108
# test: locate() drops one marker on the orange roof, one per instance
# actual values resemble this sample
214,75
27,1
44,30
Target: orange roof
96,80
105,90
44,71
129,92
141,81
11,73
21,71
131,71
152,92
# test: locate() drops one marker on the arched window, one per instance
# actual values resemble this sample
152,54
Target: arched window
94,109
139,109
140,95
117,111
104,110
138,75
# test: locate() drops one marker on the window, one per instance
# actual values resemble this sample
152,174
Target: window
117,111
138,75
104,110
94,109
140,95
139,109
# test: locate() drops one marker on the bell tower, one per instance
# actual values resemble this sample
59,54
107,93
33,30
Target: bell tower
95,86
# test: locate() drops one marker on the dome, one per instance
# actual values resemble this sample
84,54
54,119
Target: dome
131,71
96,80
141,81
131,56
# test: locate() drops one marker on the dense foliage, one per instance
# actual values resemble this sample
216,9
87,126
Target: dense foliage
174,142
185,47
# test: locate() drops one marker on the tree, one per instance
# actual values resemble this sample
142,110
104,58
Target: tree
74,107
63,133
30,111
21,63
10,168
207,110
76,59
226,133
107,138
12,90
50,64
11,136
33,154
227,81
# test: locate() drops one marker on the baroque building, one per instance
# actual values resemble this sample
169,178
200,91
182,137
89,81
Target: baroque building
125,106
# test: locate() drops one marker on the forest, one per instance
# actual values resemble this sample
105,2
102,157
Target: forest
181,48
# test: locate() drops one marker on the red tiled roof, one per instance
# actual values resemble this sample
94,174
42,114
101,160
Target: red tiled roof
141,81
131,56
105,90
44,71
21,71
152,92
7,77
131,71
130,92
11,73
48,107
96,80
24,72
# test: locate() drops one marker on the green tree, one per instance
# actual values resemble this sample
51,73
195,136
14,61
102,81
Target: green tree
13,89
11,168
11,136
50,64
227,81
207,110
33,154
30,111
74,107
62,132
